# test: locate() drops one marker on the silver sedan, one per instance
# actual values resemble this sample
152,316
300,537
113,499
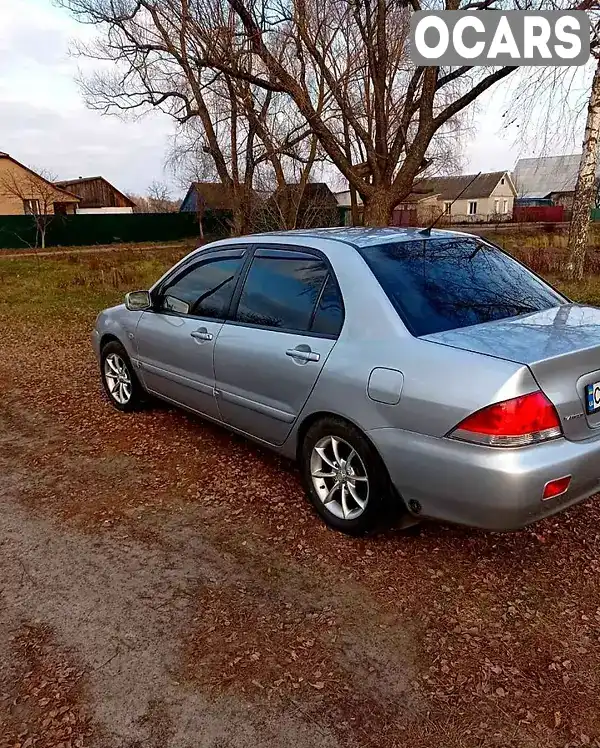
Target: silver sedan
423,374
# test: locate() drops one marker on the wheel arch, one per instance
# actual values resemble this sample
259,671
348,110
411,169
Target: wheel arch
319,415
312,418
108,337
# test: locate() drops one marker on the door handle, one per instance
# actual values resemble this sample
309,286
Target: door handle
201,334
302,355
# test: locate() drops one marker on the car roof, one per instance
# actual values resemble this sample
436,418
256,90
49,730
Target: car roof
360,236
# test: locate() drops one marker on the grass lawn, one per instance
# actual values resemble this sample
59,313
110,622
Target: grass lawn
163,580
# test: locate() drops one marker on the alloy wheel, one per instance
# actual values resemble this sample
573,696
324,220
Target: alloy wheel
118,378
339,477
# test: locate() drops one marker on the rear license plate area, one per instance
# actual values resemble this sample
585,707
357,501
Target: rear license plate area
592,398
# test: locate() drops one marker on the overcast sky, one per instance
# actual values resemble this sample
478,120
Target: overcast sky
44,122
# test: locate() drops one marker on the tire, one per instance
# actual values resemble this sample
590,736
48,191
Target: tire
367,502
121,385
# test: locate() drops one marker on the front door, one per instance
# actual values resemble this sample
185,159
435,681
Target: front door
175,341
269,356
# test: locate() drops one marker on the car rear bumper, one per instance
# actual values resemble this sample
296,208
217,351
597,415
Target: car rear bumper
491,488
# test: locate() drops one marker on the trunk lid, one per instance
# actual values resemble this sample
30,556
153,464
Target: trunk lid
561,347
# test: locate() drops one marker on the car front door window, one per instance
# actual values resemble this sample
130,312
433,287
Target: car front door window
175,341
204,290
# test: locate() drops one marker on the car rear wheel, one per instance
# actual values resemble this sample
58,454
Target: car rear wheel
344,476
119,379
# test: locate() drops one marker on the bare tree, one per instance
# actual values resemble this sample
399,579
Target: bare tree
159,198
339,70
382,114
35,195
231,125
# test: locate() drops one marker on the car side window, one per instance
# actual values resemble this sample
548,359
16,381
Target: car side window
205,290
329,315
282,290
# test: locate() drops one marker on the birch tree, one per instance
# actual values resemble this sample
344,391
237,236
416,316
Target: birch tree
585,188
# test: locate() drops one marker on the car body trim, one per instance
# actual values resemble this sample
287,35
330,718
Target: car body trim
266,410
179,378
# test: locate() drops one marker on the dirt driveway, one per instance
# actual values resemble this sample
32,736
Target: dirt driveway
164,584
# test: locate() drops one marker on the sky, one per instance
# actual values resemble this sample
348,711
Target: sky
45,124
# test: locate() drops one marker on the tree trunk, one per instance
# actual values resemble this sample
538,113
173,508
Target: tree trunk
354,207
378,210
237,228
586,181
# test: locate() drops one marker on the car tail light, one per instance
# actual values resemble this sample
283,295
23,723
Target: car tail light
555,488
528,419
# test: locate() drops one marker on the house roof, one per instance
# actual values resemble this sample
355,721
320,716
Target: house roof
537,177
417,197
310,188
311,192
215,195
449,188
72,198
72,184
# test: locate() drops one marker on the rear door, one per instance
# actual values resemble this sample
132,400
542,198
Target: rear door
285,322
175,341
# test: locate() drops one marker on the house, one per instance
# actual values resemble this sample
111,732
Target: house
551,177
23,192
488,196
468,197
539,177
343,199
345,206
303,206
564,198
207,196
97,195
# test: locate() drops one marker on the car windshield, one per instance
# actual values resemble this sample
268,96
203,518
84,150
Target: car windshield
443,284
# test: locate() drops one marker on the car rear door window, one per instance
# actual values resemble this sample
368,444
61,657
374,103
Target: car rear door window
282,290
205,290
329,315
444,284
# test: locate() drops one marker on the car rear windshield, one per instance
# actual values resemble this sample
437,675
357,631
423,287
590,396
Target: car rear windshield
443,284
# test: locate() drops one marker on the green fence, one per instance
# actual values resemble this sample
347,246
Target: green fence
19,232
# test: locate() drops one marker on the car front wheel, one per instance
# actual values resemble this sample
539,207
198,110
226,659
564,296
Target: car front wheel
344,477
119,379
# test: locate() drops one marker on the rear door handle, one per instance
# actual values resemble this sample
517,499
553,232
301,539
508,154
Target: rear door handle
303,355
202,334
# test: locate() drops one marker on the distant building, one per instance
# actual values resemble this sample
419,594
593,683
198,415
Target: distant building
305,206
563,198
208,196
24,192
468,197
546,175
343,199
97,195
488,196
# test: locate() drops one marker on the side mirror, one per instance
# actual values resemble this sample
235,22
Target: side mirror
138,301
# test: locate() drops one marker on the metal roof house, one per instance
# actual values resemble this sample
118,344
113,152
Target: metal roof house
539,177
